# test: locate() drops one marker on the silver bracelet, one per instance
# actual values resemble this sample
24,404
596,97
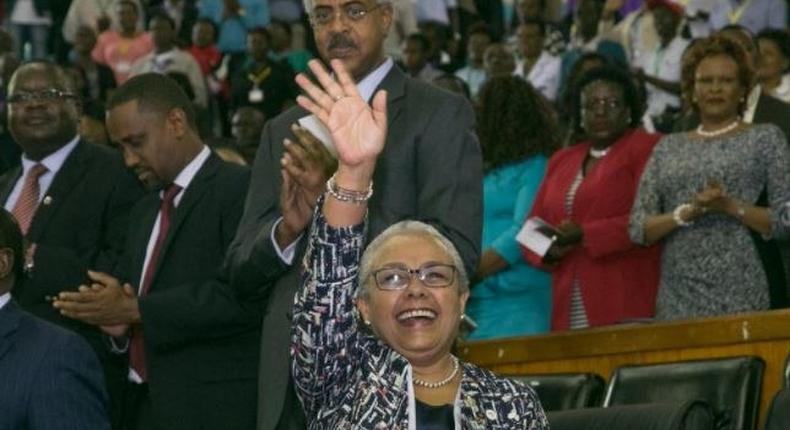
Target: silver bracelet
676,214
346,195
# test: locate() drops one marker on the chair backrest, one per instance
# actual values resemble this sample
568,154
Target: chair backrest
778,417
731,386
563,391
694,415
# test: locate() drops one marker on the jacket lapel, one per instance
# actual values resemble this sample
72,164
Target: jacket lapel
9,325
395,85
139,239
73,169
192,195
13,177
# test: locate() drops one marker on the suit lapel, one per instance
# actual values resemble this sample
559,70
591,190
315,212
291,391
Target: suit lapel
9,325
395,85
66,179
141,236
13,177
192,195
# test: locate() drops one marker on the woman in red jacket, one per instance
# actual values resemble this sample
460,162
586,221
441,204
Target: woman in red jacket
599,276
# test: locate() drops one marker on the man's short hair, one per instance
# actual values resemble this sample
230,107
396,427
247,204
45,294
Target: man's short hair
11,238
155,93
421,40
537,22
163,16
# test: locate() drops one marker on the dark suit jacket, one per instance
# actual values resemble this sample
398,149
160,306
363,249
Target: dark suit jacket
775,255
83,227
50,378
430,170
201,345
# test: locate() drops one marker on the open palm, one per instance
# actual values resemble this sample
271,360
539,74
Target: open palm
358,130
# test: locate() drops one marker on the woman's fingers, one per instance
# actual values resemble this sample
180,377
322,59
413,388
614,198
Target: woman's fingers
313,108
349,87
332,88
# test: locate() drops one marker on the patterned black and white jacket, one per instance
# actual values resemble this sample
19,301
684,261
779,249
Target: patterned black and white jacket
350,379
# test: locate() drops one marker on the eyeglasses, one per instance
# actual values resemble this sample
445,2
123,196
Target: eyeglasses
607,104
49,95
433,275
355,12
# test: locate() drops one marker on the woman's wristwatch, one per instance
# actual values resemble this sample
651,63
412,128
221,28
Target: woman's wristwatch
677,214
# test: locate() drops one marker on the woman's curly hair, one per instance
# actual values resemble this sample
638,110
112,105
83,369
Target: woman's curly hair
514,122
710,47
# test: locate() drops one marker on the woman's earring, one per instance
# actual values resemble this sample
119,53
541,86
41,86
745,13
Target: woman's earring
367,322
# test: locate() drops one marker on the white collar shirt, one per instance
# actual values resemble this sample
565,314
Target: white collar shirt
664,64
544,74
53,162
751,104
4,299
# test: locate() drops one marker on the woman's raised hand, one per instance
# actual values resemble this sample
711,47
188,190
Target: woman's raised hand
358,129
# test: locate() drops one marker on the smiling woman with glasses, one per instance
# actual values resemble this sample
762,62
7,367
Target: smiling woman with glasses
373,330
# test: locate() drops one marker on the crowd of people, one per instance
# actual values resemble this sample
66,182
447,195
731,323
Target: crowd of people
228,233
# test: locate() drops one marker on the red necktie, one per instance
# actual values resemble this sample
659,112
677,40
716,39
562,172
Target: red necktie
27,203
136,347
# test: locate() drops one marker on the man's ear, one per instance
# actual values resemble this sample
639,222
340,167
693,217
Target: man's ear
177,119
6,263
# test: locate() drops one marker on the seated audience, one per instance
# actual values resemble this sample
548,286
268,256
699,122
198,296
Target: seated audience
699,191
119,49
517,132
262,83
474,73
246,127
98,78
416,49
598,276
281,38
498,61
51,378
99,15
168,58
755,15
234,19
183,12
774,65
660,68
387,363
526,10
537,66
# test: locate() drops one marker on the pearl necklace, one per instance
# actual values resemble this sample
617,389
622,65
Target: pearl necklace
730,127
443,382
598,153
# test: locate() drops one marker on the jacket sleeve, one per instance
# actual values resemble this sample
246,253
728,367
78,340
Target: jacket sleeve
538,210
506,244
69,393
450,177
606,236
325,331
253,262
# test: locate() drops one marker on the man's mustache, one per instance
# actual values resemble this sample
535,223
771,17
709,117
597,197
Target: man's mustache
341,41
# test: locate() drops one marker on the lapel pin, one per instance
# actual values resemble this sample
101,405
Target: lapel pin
47,200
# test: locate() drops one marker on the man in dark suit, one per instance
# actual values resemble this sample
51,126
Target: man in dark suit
430,170
50,377
193,348
71,199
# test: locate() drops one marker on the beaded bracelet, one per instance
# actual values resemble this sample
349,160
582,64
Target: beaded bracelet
346,195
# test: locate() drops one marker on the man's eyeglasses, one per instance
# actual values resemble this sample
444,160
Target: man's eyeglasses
354,12
433,275
49,95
